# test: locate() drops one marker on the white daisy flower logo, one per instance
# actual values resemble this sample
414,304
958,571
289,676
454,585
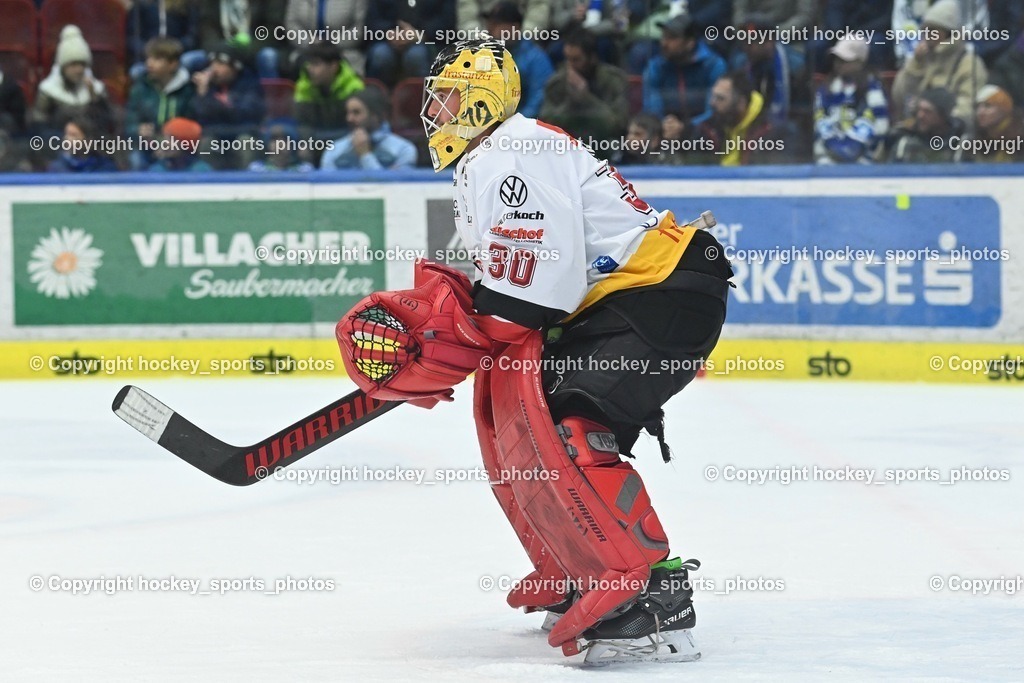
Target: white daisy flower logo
63,264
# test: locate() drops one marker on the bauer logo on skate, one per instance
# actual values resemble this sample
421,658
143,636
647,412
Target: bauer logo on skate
926,268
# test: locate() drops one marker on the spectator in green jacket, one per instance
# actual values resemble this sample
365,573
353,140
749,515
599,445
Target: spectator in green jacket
586,97
164,92
325,84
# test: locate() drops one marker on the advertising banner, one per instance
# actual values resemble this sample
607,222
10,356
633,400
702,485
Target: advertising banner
859,261
103,263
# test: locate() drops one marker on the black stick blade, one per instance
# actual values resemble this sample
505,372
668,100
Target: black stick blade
244,465
159,423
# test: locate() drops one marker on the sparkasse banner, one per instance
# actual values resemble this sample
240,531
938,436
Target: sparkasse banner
860,261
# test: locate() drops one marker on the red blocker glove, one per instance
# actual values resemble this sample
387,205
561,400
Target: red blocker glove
414,344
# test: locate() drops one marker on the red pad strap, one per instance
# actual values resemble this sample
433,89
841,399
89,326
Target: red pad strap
495,328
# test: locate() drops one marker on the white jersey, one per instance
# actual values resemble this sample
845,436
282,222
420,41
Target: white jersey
553,225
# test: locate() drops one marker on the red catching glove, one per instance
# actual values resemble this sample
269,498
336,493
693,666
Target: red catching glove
414,344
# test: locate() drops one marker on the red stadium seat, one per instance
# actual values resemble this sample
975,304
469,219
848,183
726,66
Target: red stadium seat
19,44
278,97
102,23
19,30
374,83
635,94
406,101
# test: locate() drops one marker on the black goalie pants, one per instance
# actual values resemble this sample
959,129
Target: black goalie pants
621,361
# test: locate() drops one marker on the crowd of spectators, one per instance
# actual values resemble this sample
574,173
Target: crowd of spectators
659,82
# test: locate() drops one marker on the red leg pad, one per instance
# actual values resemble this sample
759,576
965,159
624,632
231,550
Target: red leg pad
616,483
536,590
595,521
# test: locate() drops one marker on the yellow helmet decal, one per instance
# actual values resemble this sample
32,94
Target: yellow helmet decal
482,79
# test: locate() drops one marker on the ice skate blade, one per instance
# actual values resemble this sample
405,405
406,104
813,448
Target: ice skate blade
673,646
550,619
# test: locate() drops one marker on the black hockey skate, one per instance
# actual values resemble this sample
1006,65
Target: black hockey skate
656,627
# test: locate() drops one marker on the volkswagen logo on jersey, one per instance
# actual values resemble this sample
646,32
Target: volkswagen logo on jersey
604,264
513,191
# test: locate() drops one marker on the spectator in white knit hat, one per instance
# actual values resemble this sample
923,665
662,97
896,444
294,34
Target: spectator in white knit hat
939,61
70,90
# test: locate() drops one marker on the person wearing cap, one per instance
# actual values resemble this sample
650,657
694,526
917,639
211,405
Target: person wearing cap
236,21
471,13
682,75
505,22
71,89
326,81
646,16
851,113
941,62
998,120
852,16
179,152
913,141
280,156
229,99
586,97
371,145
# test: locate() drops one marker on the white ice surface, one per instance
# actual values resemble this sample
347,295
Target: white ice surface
84,496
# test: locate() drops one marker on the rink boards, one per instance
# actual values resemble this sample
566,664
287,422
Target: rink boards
990,364
840,274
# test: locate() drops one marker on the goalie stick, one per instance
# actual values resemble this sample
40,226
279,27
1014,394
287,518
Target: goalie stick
245,465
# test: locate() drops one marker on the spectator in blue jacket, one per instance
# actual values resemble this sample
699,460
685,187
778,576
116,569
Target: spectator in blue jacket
506,21
78,158
229,99
645,15
371,145
681,77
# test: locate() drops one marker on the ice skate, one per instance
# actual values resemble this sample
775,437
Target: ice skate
657,628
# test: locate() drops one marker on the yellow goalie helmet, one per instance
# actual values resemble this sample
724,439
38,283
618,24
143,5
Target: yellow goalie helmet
472,85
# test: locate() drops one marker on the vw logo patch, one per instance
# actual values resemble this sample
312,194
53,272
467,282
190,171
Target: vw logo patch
513,191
